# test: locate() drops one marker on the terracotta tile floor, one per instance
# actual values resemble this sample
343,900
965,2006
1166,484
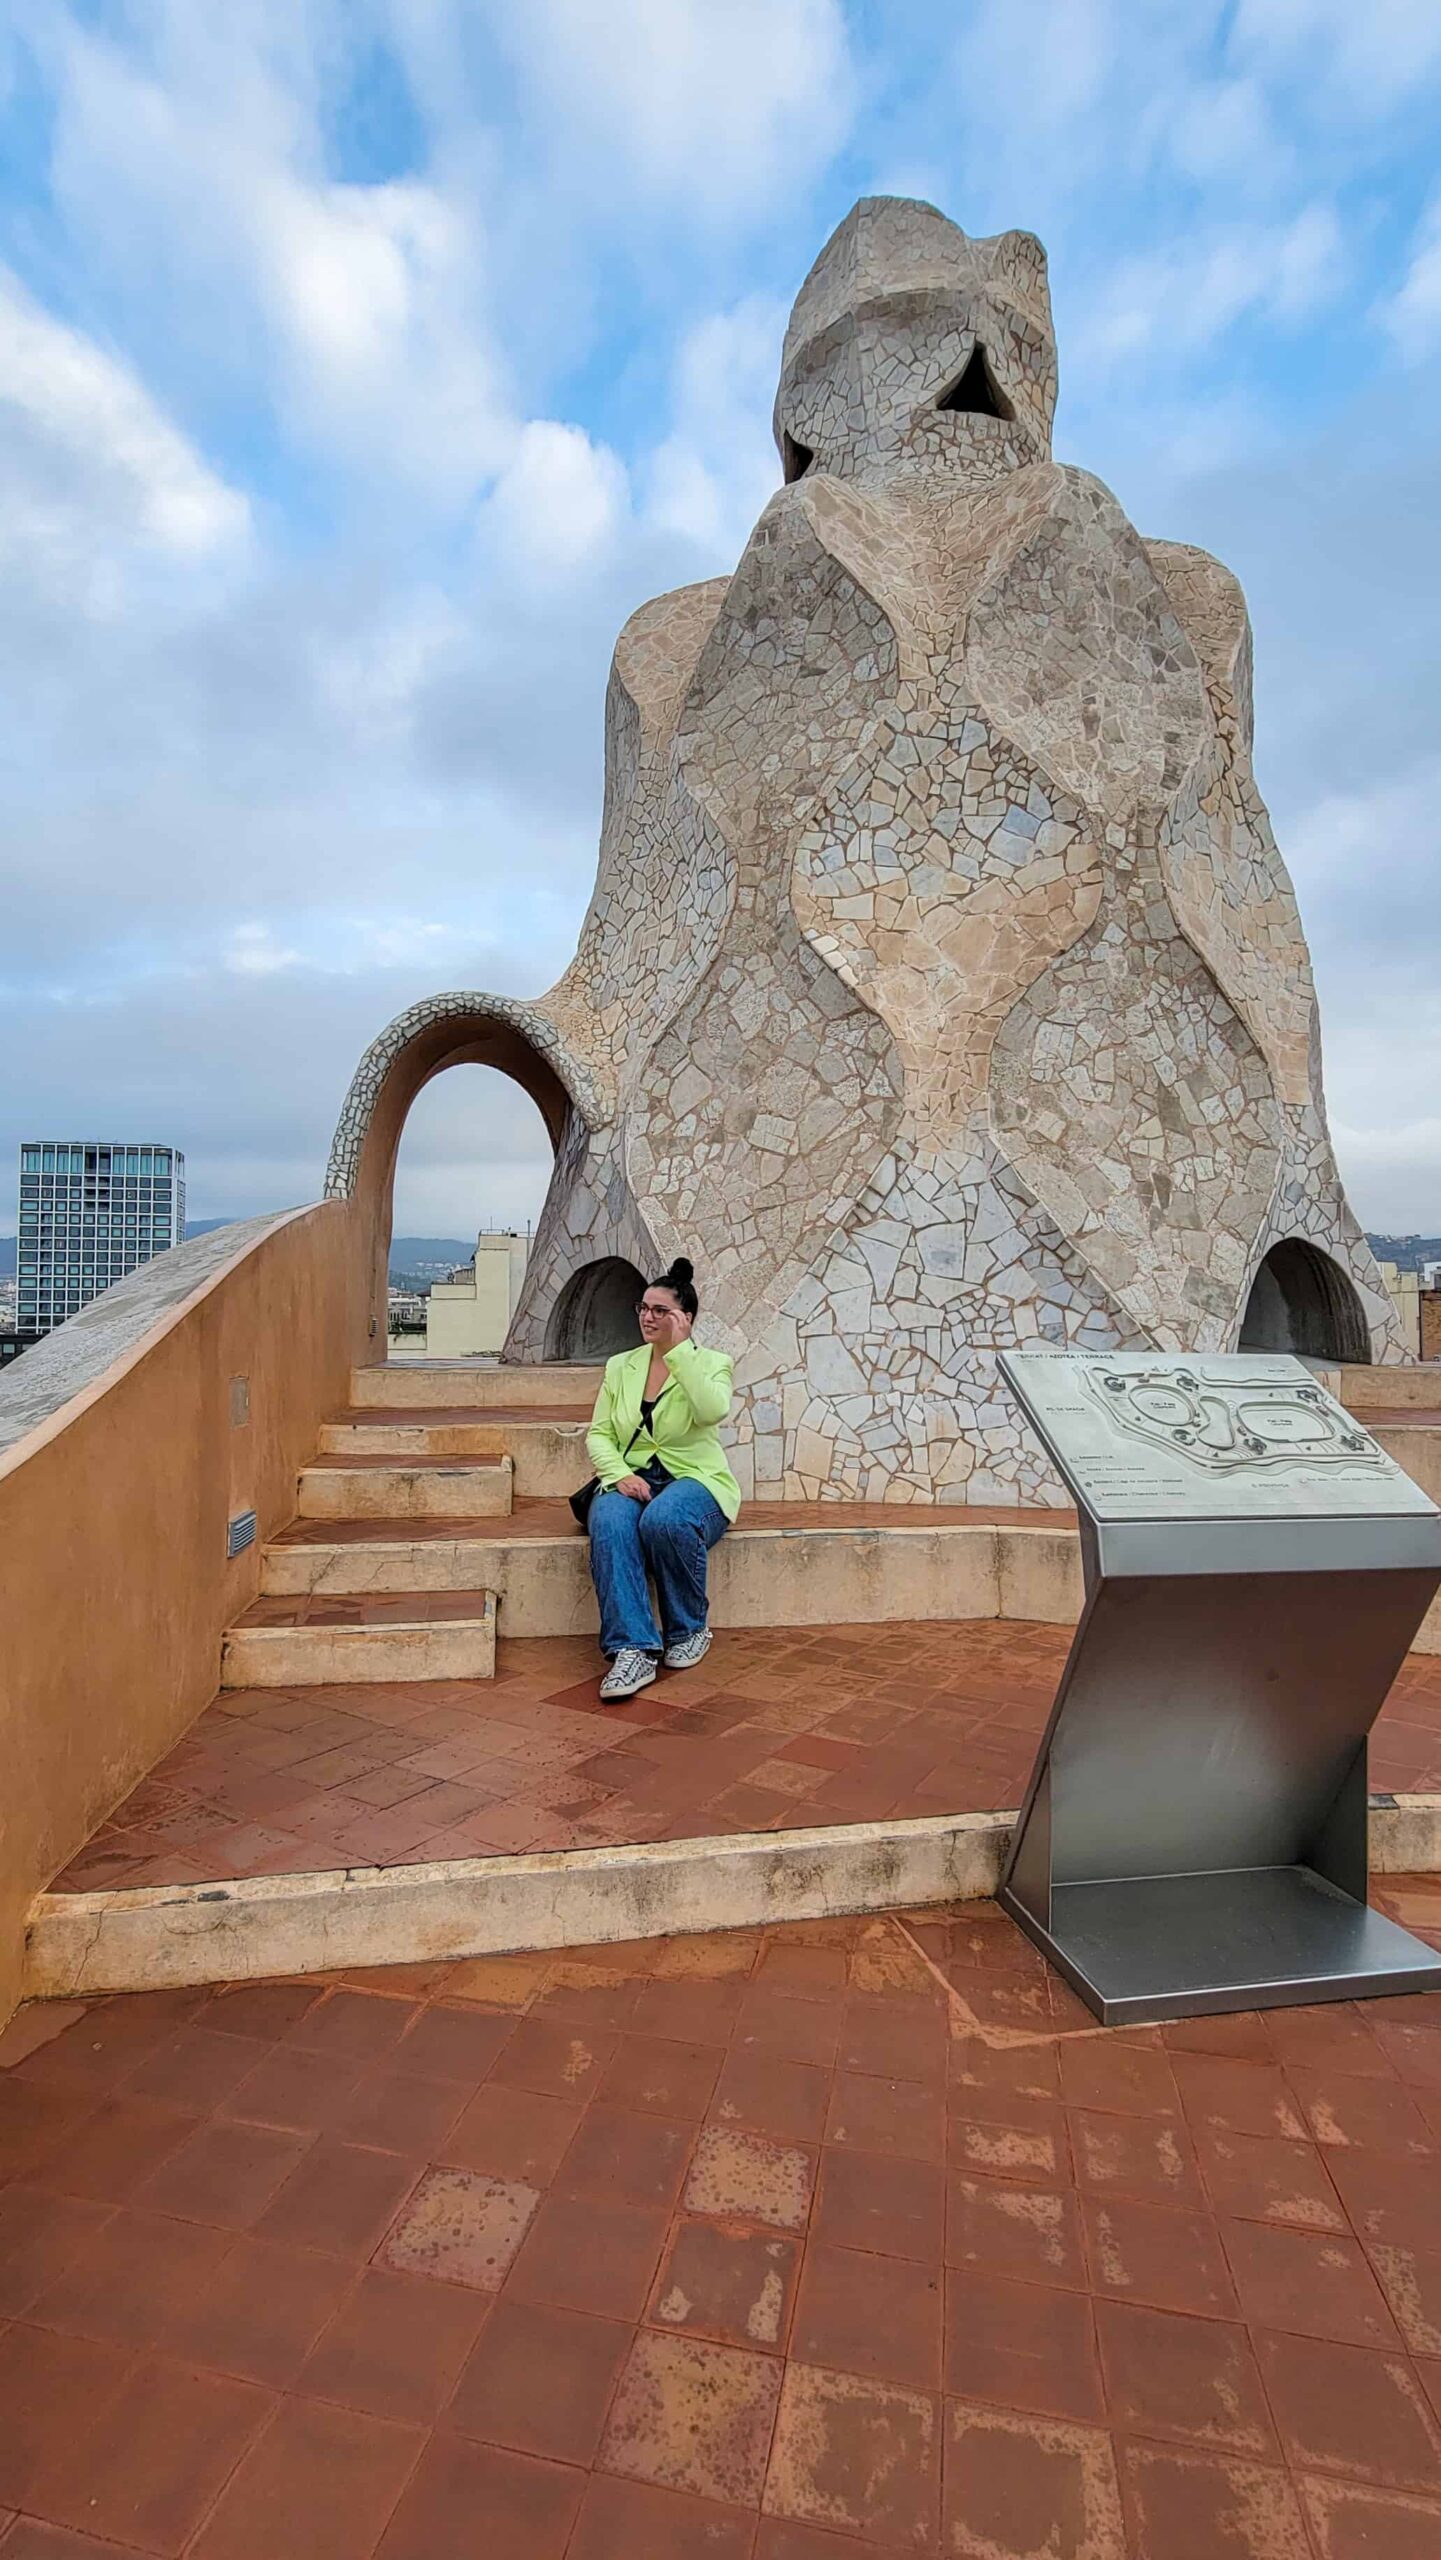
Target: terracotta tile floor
777,1729
780,2245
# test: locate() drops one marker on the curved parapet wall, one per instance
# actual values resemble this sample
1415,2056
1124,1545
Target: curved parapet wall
190,1393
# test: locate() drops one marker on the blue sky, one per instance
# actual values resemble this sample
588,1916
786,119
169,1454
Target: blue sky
362,366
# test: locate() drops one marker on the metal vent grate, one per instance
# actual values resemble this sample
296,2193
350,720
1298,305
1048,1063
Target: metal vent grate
240,1533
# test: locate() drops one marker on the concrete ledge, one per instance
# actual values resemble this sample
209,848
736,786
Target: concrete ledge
398,1382
1038,1575
1404,1835
401,1492
87,1943
802,1577
379,1564
1416,1446
549,1457
76,1359
1407,1383
81,1944
309,1657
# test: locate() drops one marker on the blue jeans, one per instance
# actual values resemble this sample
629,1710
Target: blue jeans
672,1535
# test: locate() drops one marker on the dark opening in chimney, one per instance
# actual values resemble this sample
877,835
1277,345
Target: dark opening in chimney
975,389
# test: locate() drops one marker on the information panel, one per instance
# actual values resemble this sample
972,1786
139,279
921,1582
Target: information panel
1241,1435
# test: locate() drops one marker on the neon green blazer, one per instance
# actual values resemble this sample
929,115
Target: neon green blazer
685,1433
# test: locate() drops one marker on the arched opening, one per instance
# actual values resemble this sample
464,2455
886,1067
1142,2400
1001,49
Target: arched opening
796,459
596,1312
452,1030
472,1169
1302,1301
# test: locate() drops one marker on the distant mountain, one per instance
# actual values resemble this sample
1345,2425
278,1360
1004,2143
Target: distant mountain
423,1258
418,1261
416,1253
1409,1253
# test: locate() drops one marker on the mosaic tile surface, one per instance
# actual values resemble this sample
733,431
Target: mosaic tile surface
943,990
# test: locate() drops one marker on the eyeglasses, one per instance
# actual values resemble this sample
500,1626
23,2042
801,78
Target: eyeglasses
648,1309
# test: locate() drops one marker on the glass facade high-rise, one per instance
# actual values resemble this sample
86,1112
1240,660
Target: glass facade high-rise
90,1212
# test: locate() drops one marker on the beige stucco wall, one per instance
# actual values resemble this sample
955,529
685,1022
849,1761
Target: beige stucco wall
471,1317
1403,1288
114,1581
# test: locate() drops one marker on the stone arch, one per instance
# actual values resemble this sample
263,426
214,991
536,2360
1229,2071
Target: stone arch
595,1313
1302,1301
455,1030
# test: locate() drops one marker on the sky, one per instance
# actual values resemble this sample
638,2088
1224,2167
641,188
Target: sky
364,363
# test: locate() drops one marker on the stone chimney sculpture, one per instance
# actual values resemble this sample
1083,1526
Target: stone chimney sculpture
943,989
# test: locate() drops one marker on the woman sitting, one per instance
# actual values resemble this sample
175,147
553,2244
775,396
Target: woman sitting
666,1494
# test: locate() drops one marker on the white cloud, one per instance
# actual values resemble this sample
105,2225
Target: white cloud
370,669
254,951
1414,314
91,467
1391,1165
386,359
1224,132
559,503
1365,58
718,109
710,477
1341,838
360,308
1182,297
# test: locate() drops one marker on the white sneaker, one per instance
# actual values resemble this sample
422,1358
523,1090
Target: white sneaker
690,1650
631,1670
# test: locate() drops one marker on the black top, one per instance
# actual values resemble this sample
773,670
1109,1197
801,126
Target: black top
647,1407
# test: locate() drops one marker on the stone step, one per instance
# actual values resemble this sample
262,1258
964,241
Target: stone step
549,1450
365,1488
1413,1438
410,1636
251,1928
1388,1388
784,1565
486,1387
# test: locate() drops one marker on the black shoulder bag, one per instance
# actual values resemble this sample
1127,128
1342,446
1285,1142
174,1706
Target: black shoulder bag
656,1476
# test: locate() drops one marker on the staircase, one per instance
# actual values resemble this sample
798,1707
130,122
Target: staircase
435,1510
335,1816
387,1572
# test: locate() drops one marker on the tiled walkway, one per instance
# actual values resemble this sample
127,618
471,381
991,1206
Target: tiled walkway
838,2239
777,1729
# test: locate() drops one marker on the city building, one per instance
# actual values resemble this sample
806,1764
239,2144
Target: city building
90,1212
468,1316
1403,1288
1416,1297
12,1342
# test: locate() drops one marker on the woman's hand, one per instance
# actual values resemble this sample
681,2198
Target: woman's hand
634,1487
672,1325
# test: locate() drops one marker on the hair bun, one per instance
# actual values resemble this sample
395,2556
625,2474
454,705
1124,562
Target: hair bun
681,1271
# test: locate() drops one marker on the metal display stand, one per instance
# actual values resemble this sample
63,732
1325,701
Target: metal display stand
1193,1836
